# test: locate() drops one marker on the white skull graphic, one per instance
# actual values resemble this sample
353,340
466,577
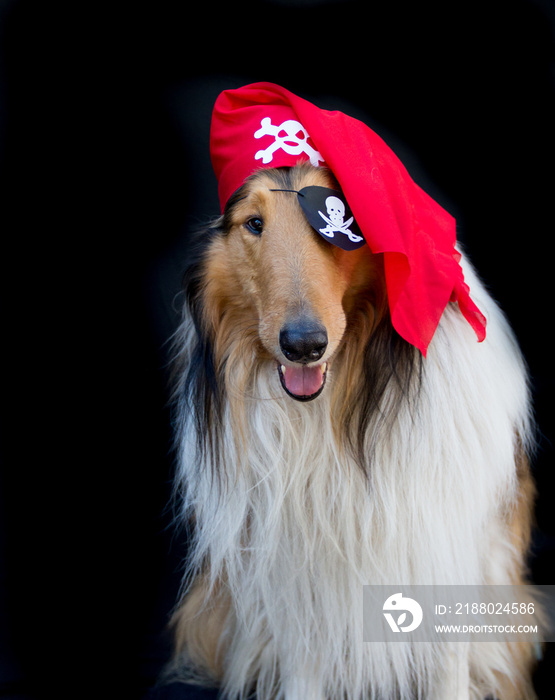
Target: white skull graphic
336,210
335,220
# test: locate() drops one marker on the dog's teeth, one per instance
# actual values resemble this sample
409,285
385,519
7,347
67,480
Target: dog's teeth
283,369
324,367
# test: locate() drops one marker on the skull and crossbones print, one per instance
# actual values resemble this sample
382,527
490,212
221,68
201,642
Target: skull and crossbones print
290,136
334,220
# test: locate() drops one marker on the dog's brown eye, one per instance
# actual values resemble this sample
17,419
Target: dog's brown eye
255,225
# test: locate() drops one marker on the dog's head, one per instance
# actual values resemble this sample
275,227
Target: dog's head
281,288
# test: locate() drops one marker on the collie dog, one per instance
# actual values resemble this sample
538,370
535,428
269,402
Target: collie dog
319,451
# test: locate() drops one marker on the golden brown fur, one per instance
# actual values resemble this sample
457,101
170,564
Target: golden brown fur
257,282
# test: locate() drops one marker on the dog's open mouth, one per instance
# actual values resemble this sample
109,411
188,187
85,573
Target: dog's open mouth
303,383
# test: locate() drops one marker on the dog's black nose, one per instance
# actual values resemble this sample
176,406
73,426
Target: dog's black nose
303,340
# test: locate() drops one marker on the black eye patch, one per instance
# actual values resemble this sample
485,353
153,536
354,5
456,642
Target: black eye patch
330,216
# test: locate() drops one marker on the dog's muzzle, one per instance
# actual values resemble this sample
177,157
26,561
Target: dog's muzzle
303,342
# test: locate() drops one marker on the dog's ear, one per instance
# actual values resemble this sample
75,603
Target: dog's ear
198,393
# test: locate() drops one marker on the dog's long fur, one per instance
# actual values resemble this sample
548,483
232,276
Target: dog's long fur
404,470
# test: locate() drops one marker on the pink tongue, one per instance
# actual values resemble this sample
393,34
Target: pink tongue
303,381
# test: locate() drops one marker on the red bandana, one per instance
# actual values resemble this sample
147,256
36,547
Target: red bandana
265,125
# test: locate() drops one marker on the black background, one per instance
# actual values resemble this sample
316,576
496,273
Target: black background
104,168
